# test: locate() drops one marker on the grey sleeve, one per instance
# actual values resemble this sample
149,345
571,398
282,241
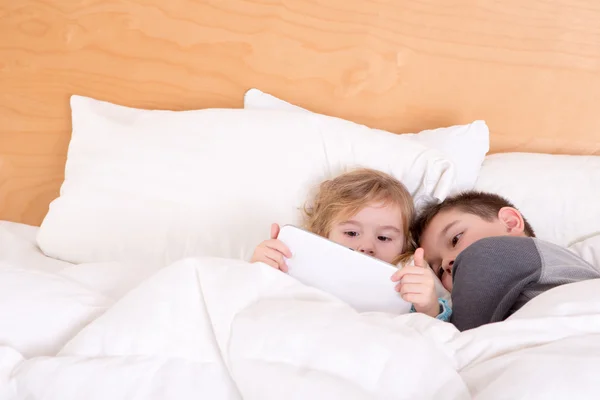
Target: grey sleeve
488,278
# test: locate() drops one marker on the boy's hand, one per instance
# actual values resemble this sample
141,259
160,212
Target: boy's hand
272,251
417,285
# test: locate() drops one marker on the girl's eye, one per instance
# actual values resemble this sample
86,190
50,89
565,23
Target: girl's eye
351,233
384,238
455,239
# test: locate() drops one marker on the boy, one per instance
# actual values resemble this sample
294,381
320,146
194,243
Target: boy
485,252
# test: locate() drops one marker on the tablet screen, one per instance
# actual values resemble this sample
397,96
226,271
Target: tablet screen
359,280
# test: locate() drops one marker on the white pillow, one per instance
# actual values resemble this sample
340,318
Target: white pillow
158,186
558,194
465,145
589,250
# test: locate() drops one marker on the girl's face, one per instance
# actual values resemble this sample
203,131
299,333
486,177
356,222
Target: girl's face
375,230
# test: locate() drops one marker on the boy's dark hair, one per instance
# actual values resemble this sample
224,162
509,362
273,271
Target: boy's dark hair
483,204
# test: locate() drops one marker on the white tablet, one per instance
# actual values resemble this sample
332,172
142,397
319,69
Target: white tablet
359,280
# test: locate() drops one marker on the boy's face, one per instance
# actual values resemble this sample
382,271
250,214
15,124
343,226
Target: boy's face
452,231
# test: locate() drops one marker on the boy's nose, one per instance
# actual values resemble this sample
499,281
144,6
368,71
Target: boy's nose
447,266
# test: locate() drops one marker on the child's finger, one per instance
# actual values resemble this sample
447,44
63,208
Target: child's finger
263,258
270,263
283,267
415,288
413,278
410,269
277,257
279,246
419,258
414,298
396,276
274,231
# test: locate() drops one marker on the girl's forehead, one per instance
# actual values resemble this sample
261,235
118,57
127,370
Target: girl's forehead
383,213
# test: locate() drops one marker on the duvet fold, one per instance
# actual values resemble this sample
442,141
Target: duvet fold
225,329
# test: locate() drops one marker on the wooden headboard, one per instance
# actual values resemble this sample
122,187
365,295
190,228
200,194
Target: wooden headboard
531,69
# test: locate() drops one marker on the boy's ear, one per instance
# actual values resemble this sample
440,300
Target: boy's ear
513,220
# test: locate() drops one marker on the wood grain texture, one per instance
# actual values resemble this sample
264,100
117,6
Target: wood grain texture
531,69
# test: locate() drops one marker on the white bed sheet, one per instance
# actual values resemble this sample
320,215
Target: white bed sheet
218,328
47,300
226,329
18,247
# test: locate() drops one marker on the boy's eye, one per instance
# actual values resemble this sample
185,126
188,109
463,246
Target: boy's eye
455,239
351,233
384,238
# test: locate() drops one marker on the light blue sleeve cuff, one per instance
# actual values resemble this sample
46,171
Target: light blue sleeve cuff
445,313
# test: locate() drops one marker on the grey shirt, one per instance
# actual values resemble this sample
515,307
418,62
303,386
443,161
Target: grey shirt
494,277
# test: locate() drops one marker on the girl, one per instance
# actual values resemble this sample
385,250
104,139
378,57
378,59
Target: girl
368,211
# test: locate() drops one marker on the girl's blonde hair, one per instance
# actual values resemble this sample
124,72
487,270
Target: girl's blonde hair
345,195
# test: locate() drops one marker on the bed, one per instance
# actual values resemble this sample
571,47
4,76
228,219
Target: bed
145,148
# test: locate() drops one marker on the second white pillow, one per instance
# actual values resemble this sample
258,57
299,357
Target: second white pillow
465,145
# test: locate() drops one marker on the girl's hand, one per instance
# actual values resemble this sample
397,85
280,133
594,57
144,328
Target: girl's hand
272,251
417,285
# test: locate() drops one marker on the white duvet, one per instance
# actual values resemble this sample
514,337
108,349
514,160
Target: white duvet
211,328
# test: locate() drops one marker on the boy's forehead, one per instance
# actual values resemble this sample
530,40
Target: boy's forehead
451,214
441,221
